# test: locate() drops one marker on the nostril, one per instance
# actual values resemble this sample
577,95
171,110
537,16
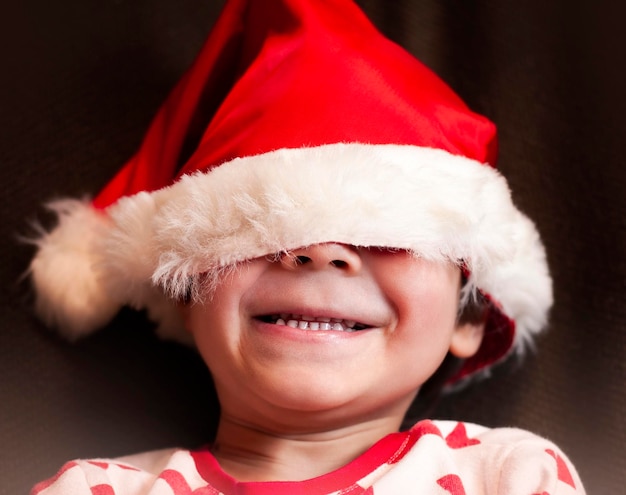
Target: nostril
321,256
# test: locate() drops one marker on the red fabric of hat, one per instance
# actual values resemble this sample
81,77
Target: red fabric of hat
290,73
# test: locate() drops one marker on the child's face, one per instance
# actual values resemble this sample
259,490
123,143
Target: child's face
405,312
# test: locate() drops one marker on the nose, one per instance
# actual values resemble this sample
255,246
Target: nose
322,256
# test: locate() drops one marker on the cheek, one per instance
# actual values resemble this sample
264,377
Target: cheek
206,328
427,309
214,321
213,324
427,300
424,338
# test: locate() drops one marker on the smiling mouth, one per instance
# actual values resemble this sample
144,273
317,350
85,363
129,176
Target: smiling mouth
304,322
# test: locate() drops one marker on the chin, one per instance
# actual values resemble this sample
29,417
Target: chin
307,392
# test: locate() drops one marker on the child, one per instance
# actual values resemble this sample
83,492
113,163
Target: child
336,239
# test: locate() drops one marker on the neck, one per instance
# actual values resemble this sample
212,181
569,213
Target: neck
250,453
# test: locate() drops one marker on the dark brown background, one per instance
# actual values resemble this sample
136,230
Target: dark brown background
80,81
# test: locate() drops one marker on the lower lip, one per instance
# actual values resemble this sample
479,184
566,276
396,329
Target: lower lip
277,345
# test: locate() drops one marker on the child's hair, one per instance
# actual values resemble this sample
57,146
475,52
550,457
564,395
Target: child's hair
473,305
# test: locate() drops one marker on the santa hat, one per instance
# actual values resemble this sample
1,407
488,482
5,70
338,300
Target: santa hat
314,128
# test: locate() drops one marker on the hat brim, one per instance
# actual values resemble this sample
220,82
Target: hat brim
440,206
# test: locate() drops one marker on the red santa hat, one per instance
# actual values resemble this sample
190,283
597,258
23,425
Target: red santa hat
315,128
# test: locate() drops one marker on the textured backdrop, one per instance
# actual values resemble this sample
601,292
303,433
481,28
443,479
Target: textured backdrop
80,82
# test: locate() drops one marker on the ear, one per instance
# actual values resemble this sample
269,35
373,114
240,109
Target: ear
466,339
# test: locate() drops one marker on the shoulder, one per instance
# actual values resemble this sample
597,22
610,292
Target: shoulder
506,460
131,475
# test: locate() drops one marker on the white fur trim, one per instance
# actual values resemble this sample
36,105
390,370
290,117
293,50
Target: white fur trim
75,292
438,205
441,206
69,291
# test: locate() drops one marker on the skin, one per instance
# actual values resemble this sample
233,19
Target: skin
300,403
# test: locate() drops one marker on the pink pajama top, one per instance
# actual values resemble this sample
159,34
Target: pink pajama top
433,457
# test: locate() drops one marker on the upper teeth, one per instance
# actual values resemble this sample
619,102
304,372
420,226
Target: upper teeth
304,322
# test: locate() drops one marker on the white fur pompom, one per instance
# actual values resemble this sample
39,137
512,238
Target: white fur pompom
70,293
